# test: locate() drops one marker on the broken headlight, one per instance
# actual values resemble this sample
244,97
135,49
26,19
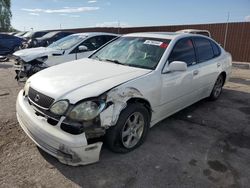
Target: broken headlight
87,110
60,107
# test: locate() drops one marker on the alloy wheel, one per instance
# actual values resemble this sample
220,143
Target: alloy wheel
133,129
218,86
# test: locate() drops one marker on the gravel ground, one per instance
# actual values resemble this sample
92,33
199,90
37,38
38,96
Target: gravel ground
204,145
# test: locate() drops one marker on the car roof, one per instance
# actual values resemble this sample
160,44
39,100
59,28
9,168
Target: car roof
92,34
193,30
163,35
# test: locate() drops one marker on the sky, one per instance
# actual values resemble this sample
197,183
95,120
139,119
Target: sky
56,14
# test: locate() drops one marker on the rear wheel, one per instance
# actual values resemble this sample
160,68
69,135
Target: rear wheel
217,89
130,130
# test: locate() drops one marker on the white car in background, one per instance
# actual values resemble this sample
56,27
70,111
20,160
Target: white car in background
195,31
119,92
73,47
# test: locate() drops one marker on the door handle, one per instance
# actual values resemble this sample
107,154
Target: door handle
218,64
196,72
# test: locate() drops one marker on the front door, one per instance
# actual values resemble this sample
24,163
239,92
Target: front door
179,89
92,43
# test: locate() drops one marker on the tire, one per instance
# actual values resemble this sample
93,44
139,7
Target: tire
217,89
117,137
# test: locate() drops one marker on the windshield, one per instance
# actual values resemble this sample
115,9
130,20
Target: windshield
134,51
28,34
50,34
20,34
67,42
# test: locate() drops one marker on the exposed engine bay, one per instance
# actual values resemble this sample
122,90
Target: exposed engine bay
26,69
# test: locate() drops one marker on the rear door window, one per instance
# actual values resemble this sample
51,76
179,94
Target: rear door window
216,49
203,48
183,51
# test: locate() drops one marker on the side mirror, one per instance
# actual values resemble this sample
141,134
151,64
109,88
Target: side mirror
175,66
82,48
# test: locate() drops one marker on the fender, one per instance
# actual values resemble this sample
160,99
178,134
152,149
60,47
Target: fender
118,98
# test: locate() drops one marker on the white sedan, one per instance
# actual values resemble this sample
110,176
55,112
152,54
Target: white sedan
119,92
73,47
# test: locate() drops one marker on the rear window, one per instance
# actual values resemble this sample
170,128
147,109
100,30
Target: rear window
204,49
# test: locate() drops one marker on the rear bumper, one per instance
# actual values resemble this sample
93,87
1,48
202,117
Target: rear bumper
67,148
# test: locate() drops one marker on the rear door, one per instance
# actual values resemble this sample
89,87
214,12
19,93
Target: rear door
209,61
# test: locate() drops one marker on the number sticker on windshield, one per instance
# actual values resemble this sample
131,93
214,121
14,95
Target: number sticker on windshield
153,42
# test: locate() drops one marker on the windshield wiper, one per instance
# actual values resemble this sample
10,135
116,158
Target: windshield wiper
114,61
98,58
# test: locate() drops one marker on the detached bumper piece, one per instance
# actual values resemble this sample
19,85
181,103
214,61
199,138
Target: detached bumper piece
67,148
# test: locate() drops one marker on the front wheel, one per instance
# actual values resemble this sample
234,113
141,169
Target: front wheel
130,130
217,89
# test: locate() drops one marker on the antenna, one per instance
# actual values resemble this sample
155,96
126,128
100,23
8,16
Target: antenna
225,37
118,24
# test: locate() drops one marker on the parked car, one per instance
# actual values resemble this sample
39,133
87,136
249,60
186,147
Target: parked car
9,44
29,36
195,31
120,91
34,34
72,47
49,38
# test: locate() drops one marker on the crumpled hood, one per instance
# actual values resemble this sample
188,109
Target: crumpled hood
33,53
84,78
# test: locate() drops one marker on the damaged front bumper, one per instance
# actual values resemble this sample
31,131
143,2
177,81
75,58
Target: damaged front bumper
24,70
21,74
67,148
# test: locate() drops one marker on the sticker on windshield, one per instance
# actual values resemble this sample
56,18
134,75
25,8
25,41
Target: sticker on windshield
153,42
164,45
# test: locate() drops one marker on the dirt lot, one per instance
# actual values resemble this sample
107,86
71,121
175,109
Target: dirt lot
205,145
